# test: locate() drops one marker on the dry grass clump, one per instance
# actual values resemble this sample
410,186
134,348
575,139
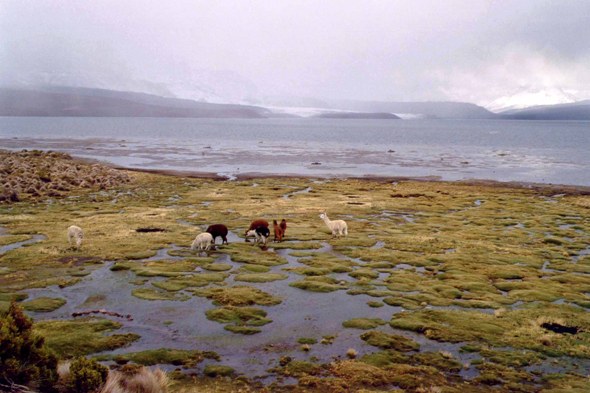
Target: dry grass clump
305,347
131,380
351,353
39,173
547,339
144,381
499,312
430,389
582,201
446,354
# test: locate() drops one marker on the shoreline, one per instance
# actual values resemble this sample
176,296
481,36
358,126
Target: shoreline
540,187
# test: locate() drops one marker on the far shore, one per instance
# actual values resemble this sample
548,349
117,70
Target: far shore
549,189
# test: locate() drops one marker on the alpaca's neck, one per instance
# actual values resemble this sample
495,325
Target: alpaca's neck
326,219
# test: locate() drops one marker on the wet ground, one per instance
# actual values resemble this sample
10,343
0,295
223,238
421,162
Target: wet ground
510,259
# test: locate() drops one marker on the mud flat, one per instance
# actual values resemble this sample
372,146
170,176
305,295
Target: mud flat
439,286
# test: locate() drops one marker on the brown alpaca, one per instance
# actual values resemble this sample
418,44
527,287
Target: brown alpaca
284,226
256,224
278,232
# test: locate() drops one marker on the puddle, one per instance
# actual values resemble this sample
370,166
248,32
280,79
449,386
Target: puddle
378,245
12,246
581,254
207,203
288,196
545,269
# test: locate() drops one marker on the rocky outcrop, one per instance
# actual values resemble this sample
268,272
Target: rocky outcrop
51,174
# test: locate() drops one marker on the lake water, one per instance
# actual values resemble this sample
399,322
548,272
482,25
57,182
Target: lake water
530,151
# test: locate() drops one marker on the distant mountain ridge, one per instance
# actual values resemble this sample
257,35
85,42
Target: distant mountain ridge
357,115
440,110
86,102
579,110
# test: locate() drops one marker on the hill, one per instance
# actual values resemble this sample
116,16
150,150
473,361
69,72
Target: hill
86,102
440,110
357,115
575,111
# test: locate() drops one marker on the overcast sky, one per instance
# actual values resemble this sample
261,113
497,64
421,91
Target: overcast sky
465,50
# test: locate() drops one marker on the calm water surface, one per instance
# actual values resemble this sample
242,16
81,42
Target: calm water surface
544,151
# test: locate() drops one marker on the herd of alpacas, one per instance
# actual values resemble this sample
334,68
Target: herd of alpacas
258,229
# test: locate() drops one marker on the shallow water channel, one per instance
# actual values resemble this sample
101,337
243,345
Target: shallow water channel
301,314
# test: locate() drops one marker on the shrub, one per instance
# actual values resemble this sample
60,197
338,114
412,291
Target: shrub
86,375
24,359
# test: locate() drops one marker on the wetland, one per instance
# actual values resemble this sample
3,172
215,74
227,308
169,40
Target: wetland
439,286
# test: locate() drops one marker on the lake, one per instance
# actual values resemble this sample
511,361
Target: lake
531,151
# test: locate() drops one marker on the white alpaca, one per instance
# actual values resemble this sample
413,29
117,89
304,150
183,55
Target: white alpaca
336,226
75,235
202,240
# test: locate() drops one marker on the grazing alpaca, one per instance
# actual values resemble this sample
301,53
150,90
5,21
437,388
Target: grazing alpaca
278,231
75,235
256,224
261,233
284,226
336,226
203,240
218,230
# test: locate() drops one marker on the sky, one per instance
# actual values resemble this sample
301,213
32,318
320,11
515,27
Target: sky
412,50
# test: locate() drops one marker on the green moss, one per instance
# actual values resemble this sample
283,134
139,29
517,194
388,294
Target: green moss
256,268
363,323
375,304
297,246
170,285
44,304
385,359
212,370
240,315
364,273
307,340
122,266
252,254
17,296
217,267
239,295
140,255
260,277
389,341
83,336
299,368
175,357
246,330
152,294
512,358
9,239
438,361
319,284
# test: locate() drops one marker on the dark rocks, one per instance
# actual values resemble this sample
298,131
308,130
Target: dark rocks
101,311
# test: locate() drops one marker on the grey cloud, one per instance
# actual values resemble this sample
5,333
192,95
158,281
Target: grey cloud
371,50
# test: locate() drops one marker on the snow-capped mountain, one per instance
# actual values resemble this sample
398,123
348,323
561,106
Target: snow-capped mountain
528,96
220,87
